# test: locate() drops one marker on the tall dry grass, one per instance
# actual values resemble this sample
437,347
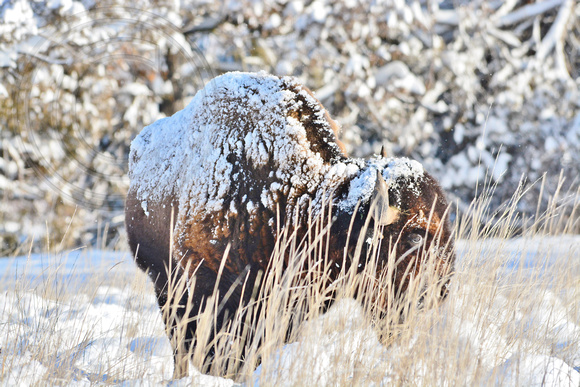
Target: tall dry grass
514,293
505,302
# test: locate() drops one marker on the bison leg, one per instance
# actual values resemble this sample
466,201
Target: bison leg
149,237
172,297
180,306
178,316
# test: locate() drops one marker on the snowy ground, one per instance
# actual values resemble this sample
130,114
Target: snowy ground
89,317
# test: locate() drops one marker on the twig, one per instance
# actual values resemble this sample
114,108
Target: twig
527,12
327,91
561,59
67,61
522,27
506,7
505,36
447,17
556,31
207,25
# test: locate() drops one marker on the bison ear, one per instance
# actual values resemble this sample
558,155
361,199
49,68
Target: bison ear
381,211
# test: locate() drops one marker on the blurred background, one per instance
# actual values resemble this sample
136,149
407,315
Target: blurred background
486,94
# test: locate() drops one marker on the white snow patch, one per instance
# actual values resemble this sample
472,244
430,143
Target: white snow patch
535,371
89,330
144,207
395,171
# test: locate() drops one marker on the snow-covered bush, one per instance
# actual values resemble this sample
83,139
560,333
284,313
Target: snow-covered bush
79,85
472,89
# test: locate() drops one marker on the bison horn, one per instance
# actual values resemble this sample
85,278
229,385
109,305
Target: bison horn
383,213
383,151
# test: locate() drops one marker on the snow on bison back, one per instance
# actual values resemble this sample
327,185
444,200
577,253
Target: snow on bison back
253,154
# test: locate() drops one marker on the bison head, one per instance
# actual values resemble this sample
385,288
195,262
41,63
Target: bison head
402,216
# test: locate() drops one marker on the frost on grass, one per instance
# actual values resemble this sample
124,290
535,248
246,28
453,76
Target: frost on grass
511,318
507,321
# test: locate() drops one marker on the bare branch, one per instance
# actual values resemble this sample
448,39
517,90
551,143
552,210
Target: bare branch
527,12
556,31
44,58
207,25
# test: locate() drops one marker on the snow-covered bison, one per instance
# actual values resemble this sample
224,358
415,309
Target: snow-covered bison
250,155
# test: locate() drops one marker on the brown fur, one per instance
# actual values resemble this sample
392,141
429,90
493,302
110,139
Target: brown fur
200,238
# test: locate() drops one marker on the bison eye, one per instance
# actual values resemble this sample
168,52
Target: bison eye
414,238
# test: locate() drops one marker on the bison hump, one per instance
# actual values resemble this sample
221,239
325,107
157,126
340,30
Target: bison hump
244,141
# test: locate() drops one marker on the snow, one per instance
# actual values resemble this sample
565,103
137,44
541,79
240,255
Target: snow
95,322
396,75
246,122
537,370
530,103
194,143
395,171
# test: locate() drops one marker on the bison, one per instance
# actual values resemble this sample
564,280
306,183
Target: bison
251,155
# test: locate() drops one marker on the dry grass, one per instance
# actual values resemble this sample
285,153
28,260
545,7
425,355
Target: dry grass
80,318
509,299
